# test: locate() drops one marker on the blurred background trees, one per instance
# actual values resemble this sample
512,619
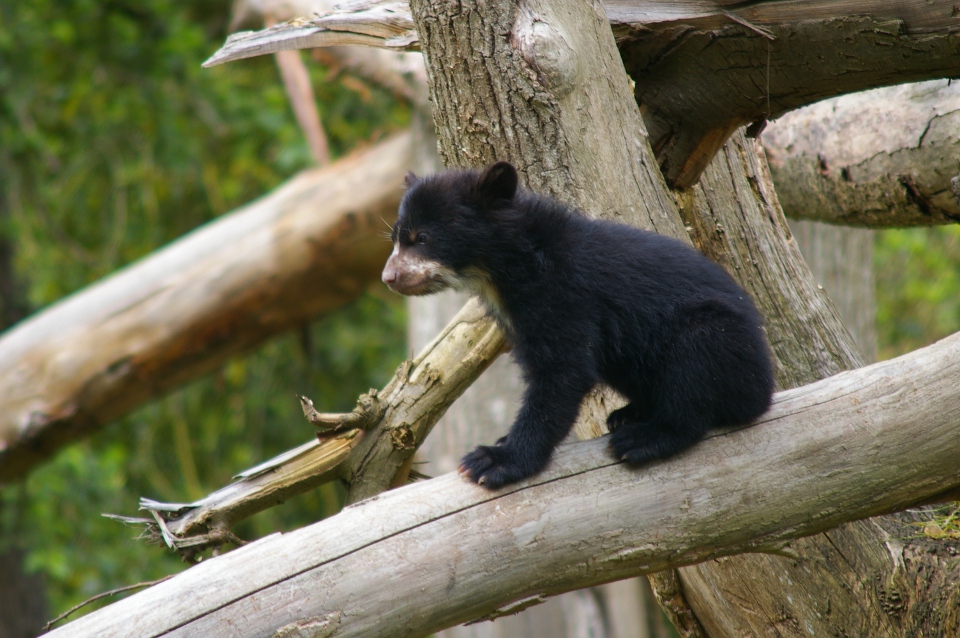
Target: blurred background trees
113,142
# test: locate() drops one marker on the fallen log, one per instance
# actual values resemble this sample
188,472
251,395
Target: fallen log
310,246
877,159
858,444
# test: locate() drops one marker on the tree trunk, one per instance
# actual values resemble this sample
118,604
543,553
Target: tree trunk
514,83
23,598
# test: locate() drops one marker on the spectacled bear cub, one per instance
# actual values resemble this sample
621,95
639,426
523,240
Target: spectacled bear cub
584,301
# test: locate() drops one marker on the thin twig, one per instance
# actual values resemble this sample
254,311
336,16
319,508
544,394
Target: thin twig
118,590
756,29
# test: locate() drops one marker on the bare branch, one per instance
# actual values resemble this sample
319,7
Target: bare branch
861,443
394,422
876,159
377,24
751,65
184,310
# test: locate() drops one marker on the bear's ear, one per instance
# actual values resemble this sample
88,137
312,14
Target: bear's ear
410,180
498,182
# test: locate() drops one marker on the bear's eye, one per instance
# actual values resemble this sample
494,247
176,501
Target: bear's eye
422,238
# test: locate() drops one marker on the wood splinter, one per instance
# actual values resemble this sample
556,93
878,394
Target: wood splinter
369,411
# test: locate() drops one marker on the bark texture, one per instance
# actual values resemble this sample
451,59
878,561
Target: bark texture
876,159
755,61
734,217
411,561
542,85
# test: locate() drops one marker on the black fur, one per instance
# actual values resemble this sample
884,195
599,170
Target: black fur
586,301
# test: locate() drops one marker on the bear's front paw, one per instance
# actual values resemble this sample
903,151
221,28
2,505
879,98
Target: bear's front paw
493,466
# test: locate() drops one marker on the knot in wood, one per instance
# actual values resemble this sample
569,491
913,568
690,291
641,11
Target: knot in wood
546,48
402,437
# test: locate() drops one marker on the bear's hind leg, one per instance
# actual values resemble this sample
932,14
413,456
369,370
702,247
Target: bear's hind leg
630,413
638,442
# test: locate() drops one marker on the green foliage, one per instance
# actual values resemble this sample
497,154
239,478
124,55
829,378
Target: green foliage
918,287
113,141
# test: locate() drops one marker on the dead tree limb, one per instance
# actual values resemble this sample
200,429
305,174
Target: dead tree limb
749,64
310,246
877,159
414,560
399,417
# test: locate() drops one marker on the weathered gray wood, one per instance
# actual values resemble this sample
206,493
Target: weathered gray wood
411,561
395,422
418,396
758,60
310,246
875,159
749,63
377,24
201,524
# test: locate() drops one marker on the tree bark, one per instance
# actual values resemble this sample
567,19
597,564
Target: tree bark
414,560
733,214
311,246
749,62
877,159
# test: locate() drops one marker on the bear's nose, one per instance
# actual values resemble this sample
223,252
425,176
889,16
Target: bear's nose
389,275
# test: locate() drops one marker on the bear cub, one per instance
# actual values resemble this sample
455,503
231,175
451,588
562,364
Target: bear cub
585,301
